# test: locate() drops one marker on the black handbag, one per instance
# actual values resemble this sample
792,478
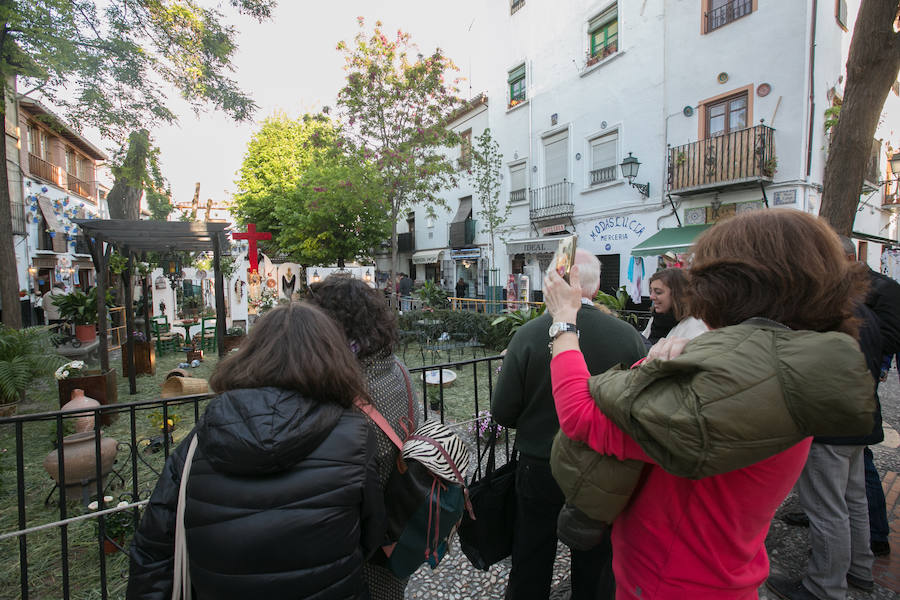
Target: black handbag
488,538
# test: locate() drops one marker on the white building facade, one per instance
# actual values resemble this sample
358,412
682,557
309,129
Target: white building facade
721,101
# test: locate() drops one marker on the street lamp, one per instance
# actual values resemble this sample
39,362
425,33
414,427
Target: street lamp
368,276
630,166
32,270
315,276
895,164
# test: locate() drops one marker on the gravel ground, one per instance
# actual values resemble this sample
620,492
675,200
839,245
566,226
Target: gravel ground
456,579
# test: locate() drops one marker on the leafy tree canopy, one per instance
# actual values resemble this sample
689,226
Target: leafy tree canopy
136,171
107,63
276,158
395,108
485,175
337,213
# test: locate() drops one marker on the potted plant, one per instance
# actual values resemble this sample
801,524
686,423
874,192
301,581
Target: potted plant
117,526
481,427
190,307
80,309
233,337
24,355
144,356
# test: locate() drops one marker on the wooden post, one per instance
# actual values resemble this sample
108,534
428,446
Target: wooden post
148,300
99,256
129,321
218,238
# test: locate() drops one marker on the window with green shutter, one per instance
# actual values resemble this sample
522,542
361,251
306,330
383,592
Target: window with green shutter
604,33
516,82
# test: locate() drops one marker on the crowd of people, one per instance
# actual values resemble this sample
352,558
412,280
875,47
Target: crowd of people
660,459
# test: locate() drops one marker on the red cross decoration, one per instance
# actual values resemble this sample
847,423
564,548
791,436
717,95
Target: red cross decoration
252,236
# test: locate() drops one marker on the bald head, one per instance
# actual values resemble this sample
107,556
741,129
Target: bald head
588,272
848,246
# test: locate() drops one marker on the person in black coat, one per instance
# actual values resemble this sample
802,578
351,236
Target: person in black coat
283,498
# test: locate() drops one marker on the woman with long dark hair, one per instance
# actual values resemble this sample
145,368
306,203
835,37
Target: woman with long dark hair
282,500
371,329
720,426
670,310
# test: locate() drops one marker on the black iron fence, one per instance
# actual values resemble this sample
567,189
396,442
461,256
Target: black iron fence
43,520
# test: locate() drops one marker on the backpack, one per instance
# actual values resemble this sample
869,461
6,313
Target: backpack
425,494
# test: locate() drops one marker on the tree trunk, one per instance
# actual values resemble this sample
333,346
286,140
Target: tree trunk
124,201
9,274
395,258
872,67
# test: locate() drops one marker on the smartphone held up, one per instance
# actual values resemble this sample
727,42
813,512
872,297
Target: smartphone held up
564,257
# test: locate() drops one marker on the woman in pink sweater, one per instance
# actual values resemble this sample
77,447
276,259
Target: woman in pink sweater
704,539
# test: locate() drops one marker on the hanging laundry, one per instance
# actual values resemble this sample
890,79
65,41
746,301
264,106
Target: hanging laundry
635,278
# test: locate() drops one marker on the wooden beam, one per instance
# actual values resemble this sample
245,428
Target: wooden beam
148,300
129,320
220,294
100,264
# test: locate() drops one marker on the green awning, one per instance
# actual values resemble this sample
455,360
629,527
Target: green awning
669,239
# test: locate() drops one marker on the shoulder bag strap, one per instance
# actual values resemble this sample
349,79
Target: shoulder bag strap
181,580
410,402
378,418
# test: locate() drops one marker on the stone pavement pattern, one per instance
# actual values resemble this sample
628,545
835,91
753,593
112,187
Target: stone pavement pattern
788,546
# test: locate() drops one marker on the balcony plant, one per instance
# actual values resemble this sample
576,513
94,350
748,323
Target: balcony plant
770,166
80,309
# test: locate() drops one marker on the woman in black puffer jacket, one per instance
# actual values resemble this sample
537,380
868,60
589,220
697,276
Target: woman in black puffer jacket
283,498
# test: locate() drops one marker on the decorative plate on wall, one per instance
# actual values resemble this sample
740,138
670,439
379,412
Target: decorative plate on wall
722,77
763,89
270,283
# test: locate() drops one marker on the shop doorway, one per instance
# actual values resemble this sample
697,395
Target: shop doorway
609,273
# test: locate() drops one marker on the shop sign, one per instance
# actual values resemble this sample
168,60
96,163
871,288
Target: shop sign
465,253
612,231
558,228
783,197
536,246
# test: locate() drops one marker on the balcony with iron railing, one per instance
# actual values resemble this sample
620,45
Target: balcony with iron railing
552,201
734,159
603,175
728,12
462,233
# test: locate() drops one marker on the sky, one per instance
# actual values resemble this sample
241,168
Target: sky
290,64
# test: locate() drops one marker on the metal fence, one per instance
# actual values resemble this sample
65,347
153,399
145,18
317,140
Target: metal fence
58,559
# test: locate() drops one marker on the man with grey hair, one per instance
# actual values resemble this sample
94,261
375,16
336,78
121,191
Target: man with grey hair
523,400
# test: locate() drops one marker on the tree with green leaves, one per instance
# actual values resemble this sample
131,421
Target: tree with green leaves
276,158
485,175
872,67
395,107
336,214
107,65
137,172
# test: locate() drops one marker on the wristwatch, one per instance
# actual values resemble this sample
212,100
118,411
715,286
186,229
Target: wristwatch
560,327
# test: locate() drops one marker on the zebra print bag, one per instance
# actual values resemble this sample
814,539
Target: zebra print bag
425,495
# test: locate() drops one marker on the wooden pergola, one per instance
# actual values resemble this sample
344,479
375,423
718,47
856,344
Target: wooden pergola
135,237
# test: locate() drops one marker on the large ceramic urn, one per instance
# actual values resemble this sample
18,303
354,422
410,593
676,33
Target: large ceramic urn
84,421
79,455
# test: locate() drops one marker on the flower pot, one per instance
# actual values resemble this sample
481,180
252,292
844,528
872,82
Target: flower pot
99,386
86,333
232,342
110,548
79,462
144,358
85,420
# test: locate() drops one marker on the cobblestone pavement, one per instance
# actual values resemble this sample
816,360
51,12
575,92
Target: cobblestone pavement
456,579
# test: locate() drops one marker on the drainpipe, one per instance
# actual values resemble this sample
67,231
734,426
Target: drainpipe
812,91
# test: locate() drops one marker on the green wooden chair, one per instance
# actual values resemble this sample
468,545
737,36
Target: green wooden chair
208,333
166,340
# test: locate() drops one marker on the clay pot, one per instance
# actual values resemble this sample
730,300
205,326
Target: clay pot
85,420
86,333
80,461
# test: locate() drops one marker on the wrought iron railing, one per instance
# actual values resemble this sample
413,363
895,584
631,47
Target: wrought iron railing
603,175
728,12
552,201
736,157
17,213
516,5
517,195
54,522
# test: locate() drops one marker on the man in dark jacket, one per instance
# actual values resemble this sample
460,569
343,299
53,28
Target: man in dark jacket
523,400
282,502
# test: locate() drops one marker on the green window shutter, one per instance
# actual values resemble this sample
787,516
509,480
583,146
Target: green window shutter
516,74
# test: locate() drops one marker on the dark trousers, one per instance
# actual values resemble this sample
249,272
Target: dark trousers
878,521
534,543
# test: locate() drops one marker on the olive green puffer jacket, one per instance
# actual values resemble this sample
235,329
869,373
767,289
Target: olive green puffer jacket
735,396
